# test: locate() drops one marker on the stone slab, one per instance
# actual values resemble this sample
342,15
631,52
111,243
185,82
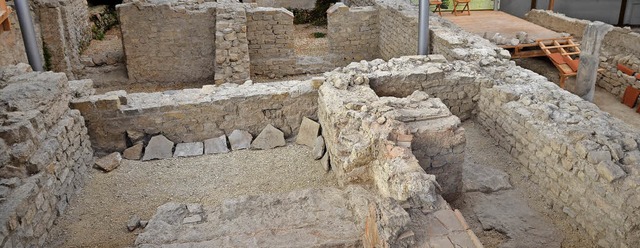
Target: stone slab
308,132
269,138
318,148
240,139
134,152
189,149
507,212
159,147
483,178
216,145
109,162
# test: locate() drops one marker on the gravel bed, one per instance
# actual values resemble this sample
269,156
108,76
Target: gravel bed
97,217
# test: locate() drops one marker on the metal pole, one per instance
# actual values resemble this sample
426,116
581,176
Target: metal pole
423,33
623,10
28,34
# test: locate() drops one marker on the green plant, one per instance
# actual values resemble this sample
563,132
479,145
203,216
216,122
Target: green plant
316,16
319,35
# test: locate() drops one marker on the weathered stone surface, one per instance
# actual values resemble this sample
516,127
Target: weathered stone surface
189,149
109,162
610,171
308,132
270,137
240,140
484,178
133,223
325,162
134,152
159,147
135,136
507,213
300,218
318,148
80,88
216,145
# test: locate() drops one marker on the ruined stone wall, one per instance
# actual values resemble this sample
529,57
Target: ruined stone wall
620,45
290,4
192,115
357,3
271,34
65,32
354,118
353,33
585,161
44,154
232,47
167,43
398,29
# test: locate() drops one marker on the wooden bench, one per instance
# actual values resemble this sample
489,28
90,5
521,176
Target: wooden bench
5,24
438,4
465,7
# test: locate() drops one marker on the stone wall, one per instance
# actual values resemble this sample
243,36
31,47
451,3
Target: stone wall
232,47
44,154
585,161
192,115
357,3
289,4
620,45
65,32
167,43
353,33
370,137
271,35
398,29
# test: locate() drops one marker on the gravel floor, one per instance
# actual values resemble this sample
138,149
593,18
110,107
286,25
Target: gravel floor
97,217
306,44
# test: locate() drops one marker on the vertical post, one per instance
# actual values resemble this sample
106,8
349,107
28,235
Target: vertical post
423,32
623,11
551,4
496,5
28,34
534,4
589,60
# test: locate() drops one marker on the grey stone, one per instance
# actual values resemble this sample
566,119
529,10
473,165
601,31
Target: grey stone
318,148
216,145
159,148
135,136
484,179
109,162
134,152
133,223
192,219
269,138
507,212
240,139
325,162
189,149
308,132
610,171
143,223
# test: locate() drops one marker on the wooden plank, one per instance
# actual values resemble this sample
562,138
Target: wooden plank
623,10
5,24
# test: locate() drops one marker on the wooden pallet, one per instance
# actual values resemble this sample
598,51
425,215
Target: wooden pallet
560,52
5,24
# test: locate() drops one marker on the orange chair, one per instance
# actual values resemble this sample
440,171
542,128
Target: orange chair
5,24
438,5
465,7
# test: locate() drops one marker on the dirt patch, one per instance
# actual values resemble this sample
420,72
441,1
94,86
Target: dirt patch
98,216
483,150
306,44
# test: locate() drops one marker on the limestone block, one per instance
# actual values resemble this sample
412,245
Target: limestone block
270,137
240,140
216,145
610,171
134,152
109,162
308,132
189,149
159,147
318,148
